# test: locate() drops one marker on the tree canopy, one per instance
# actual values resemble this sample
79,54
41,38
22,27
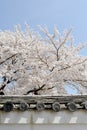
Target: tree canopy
35,64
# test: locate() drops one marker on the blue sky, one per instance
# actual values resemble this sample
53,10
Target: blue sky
62,13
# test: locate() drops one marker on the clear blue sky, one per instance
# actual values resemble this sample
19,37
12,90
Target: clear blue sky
62,13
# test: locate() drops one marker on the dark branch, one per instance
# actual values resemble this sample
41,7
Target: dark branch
50,87
7,59
2,93
3,86
35,90
6,82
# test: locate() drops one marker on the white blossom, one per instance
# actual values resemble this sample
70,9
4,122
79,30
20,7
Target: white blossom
31,64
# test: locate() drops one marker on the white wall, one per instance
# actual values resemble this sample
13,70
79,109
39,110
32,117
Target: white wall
45,120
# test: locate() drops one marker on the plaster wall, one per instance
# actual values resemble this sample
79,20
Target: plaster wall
44,120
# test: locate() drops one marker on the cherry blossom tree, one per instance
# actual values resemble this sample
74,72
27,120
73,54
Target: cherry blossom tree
35,64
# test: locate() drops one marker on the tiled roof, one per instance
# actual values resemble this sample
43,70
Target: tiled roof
43,102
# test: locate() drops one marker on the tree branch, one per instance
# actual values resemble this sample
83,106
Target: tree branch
35,90
5,82
69,66
8,59
64,41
